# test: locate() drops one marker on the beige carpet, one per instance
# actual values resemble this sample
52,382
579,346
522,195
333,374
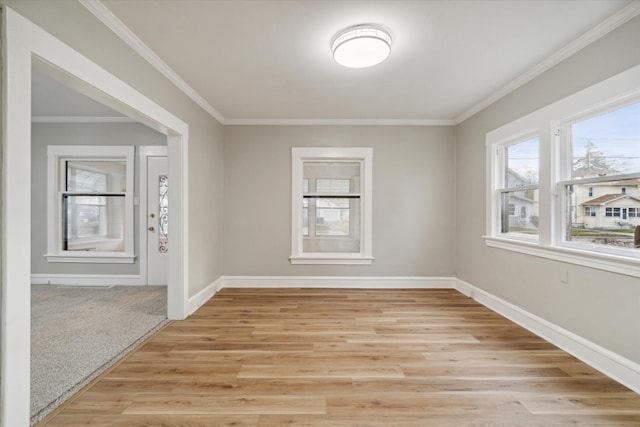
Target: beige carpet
79,332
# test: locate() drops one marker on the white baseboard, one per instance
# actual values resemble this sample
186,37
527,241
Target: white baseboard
609,363
194,302
352,282
87,279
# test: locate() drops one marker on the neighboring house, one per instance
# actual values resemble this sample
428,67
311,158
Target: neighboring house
614,204
523,205
611,211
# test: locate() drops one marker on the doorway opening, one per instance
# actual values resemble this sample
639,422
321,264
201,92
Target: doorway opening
85,314
24,44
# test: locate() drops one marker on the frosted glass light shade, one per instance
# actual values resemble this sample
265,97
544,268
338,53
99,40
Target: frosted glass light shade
361,46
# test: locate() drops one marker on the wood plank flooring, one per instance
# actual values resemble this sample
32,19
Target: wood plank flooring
327,357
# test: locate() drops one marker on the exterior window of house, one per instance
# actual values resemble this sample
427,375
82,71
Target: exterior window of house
518,193
604,152
612,212
587,204
523,212
90,204
331,205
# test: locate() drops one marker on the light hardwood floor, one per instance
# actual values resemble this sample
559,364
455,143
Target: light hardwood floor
327,357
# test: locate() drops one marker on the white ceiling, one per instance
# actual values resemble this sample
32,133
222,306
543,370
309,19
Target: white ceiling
270,60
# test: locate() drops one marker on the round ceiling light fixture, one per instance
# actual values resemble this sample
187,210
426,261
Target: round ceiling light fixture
361,46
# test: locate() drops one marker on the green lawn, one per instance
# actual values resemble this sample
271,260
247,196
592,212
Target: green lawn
583,232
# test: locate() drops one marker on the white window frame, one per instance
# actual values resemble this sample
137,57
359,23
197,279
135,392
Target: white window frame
300,155
555,169
56,154
562,139
498,161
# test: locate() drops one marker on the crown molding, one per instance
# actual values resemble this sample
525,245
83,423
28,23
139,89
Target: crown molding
614,21
101,12
81,119
340,122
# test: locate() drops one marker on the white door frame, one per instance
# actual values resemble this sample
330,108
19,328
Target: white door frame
23,42
144,153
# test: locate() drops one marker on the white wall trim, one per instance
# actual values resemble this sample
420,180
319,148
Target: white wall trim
87,279
616,20
340,122
609,363
204,295
101,12
92,257
351,282
81,119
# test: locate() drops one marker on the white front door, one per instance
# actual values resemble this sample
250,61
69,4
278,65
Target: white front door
158,242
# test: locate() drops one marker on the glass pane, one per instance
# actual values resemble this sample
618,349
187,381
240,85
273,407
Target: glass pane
332,217
332,177
96,176
334,225
608,144
93,223
163,217
333,186
607,217
305,217
522,163
331,224
520,212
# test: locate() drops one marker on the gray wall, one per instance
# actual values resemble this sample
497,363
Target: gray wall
74,25
45,134
413,203
600,306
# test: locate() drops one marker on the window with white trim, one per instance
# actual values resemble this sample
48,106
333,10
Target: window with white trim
602,150
90,204
589,178
590,211
331,205
517,193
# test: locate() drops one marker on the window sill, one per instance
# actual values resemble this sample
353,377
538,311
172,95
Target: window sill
331,259
92,257
620,264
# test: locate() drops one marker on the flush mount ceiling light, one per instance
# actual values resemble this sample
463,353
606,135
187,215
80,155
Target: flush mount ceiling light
361,46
